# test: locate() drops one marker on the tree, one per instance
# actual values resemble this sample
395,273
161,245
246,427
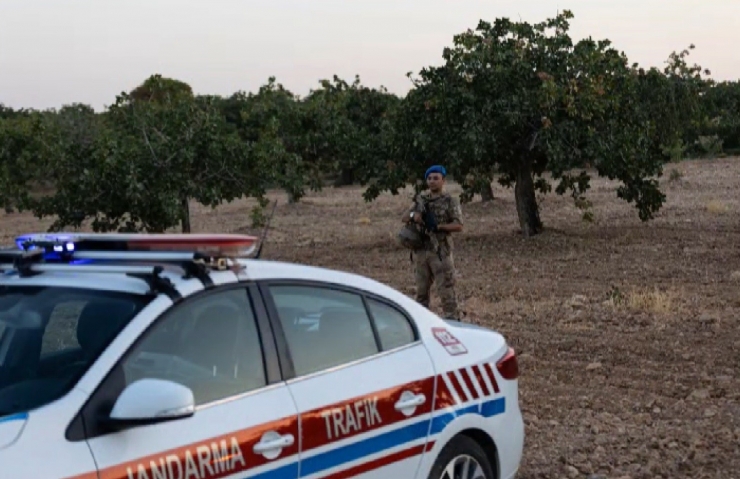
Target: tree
7,113
521,99
274,113
24,151
721,114
159,89
148,161
351,121
414,136
671,100
323,130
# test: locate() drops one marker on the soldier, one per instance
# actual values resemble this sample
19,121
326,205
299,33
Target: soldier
433,261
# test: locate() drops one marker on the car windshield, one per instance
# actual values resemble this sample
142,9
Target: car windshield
50,336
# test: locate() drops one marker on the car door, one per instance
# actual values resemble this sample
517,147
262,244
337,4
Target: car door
245,422
363,382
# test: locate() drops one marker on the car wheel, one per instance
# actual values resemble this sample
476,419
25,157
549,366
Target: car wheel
462,458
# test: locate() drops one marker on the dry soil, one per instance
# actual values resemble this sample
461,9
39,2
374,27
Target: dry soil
627,332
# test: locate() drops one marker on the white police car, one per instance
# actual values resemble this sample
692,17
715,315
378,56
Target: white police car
174,357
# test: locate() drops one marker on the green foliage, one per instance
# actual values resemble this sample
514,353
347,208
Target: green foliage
721,114
346,128
7,113
671,101
415,136
510,102
23,151
523,99
273,116
158,89
167,153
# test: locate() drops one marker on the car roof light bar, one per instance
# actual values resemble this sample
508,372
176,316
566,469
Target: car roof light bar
196,254
214,245
162,256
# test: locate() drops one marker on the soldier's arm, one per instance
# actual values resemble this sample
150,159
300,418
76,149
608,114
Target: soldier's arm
406,217
414,208
456,221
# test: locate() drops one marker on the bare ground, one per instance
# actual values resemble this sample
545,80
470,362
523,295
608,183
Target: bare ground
627,332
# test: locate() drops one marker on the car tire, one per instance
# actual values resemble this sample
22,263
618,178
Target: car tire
452,460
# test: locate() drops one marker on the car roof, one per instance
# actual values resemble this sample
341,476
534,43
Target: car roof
253,269
70,279
275,270
75,261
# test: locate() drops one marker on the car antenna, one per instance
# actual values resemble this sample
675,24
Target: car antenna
264,232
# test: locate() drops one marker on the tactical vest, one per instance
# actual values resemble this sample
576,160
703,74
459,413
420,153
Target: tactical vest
411,236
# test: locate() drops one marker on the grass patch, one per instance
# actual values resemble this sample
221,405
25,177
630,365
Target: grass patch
716,207
645,300
654,301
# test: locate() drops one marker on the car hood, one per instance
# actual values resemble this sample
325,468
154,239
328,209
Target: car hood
11,428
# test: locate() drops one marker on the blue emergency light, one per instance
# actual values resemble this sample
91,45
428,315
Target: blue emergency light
141,255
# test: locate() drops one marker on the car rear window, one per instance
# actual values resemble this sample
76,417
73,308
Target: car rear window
50,336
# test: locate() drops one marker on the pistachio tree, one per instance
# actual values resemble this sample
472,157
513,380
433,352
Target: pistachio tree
148,160
24,151
517,100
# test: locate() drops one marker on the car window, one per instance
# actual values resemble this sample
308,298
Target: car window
323,327
209,344
50,336
394,329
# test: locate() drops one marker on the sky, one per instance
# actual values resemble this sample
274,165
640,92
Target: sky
56,52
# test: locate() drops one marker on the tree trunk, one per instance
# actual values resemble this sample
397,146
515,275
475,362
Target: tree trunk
526,201
346,178
487,193
185,212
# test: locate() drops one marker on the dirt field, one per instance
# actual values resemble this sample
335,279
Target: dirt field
627,332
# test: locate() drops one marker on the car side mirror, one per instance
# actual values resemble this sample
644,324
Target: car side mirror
151,401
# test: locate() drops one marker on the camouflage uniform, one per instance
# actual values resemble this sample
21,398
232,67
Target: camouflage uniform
430,265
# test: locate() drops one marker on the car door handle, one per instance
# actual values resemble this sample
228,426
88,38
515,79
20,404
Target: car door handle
405,403
266,445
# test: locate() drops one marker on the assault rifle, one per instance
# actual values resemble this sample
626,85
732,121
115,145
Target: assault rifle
429,223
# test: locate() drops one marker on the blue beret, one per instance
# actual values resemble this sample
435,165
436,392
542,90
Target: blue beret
435,169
